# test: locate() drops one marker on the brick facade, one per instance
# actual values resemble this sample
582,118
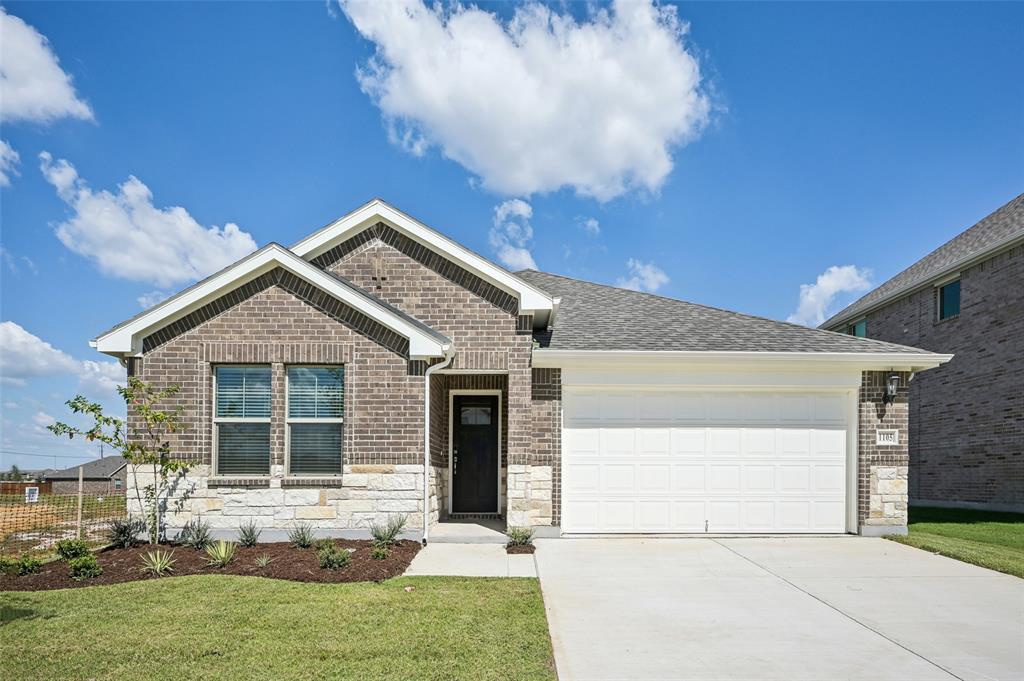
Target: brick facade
881,469
967,417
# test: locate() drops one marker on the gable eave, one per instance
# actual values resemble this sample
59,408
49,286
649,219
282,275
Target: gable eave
125,339
531,299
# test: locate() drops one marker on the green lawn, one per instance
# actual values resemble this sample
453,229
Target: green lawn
991,540
223,627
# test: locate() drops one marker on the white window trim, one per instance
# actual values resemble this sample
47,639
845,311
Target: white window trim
938,297
288,421
451,442
217,420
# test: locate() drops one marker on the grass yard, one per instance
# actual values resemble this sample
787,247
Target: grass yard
225,627
991,540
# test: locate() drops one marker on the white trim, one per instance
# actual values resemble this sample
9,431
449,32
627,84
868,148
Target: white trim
956,266
906,361
288,421
126,339
531,299
853,462
451,443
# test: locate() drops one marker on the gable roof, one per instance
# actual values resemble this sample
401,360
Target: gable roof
125,339
599,318
532,300
1002,229
97,469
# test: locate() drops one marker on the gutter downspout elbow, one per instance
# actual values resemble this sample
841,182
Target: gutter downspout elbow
449,355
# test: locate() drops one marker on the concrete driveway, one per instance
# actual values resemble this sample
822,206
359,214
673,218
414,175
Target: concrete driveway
801,608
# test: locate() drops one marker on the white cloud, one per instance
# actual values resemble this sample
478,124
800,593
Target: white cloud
11,261
539,102
102,377
590,225
817,298
24,356
10,405
9,160
33,86
511,234
41,420
148,300
643,277
128,237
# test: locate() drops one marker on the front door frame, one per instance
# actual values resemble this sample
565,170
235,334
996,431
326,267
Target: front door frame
451,441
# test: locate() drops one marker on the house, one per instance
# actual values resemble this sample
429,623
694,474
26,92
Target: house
99,476
377,367
966,418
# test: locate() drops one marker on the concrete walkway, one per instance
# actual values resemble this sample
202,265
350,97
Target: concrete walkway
470,560
794,609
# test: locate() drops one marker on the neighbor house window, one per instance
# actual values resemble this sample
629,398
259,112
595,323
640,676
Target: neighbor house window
949,300
316,416
859,329
241,419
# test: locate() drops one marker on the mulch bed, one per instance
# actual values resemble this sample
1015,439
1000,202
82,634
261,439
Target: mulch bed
521,548
287,562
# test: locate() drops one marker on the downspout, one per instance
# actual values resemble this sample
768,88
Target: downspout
449,355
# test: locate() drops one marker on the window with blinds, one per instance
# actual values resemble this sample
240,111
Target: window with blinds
241,419
316,420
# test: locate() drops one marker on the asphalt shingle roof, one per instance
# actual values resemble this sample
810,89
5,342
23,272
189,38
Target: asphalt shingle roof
597,317
1004,224
97,469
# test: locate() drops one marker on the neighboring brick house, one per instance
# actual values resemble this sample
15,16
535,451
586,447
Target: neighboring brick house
378,368
99,476
967,417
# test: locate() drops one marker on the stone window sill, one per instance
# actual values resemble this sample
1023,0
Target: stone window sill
237,482
311,482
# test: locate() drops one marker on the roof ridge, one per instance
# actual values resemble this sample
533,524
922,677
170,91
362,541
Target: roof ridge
724,311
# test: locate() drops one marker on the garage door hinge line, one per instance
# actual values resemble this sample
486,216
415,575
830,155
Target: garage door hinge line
841,612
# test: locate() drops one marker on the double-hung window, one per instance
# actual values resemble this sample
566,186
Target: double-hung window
316,417
949,300
859,328
241,419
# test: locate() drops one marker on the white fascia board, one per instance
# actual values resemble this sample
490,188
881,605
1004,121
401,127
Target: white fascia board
897,361
531,299
126,339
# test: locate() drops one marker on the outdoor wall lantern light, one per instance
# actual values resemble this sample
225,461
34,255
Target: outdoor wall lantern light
892,385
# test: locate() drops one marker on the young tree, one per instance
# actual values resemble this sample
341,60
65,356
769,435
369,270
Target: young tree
144,444
15,474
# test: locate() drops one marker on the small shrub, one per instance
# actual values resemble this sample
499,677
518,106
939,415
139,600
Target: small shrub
158,563
263,560
124,533
519,536
8,566
323,543
388,533
334,558
68,549
29,565
248,534
301,535
379,552
84,567
196,535
220,553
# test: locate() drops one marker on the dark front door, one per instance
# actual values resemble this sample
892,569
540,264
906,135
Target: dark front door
475,455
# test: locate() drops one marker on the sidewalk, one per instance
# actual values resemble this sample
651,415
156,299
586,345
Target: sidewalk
471,560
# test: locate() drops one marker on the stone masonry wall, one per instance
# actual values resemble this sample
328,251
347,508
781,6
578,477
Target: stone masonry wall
967,416
882,469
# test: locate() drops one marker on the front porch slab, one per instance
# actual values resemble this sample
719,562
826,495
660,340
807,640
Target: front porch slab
471,560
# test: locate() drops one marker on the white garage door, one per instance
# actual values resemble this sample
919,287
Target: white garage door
718,462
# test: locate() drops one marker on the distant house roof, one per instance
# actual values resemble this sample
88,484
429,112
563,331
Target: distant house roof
1002,229
97,469
595,317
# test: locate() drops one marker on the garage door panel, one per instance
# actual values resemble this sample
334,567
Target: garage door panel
696,461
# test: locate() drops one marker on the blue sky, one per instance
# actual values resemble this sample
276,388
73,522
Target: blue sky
767,147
